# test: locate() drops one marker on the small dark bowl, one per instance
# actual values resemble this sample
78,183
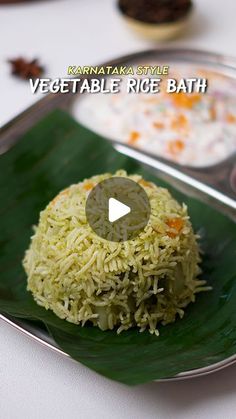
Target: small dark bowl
157,31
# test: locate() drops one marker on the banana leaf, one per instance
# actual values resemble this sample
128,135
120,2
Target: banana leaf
56,153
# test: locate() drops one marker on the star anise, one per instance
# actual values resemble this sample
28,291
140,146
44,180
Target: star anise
26,69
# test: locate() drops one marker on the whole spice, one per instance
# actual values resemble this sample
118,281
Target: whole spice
155,11
26,69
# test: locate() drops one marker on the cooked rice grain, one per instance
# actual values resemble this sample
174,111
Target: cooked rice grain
84,278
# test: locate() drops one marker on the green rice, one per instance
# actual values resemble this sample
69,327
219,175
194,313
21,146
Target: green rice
83,278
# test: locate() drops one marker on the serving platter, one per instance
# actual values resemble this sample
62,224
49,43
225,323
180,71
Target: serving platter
40,336
211,184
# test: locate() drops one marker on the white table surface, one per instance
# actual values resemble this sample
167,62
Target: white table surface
34,381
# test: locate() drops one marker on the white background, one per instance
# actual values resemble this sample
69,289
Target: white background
35,382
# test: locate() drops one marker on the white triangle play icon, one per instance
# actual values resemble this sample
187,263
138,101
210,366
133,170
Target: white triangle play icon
116,210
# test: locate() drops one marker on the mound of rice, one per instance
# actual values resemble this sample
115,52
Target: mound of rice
84,278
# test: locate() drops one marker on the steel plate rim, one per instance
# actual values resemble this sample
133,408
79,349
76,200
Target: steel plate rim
51,102
195,373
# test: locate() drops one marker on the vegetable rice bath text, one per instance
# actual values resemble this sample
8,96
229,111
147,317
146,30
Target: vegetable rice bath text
113,85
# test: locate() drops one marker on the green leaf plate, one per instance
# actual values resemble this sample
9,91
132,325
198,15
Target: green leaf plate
51,156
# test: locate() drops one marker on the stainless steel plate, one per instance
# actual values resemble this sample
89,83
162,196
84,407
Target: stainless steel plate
214,184
43,338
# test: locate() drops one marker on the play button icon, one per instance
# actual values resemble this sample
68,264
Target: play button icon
117,209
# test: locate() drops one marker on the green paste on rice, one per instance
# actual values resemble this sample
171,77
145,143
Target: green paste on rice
83,278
